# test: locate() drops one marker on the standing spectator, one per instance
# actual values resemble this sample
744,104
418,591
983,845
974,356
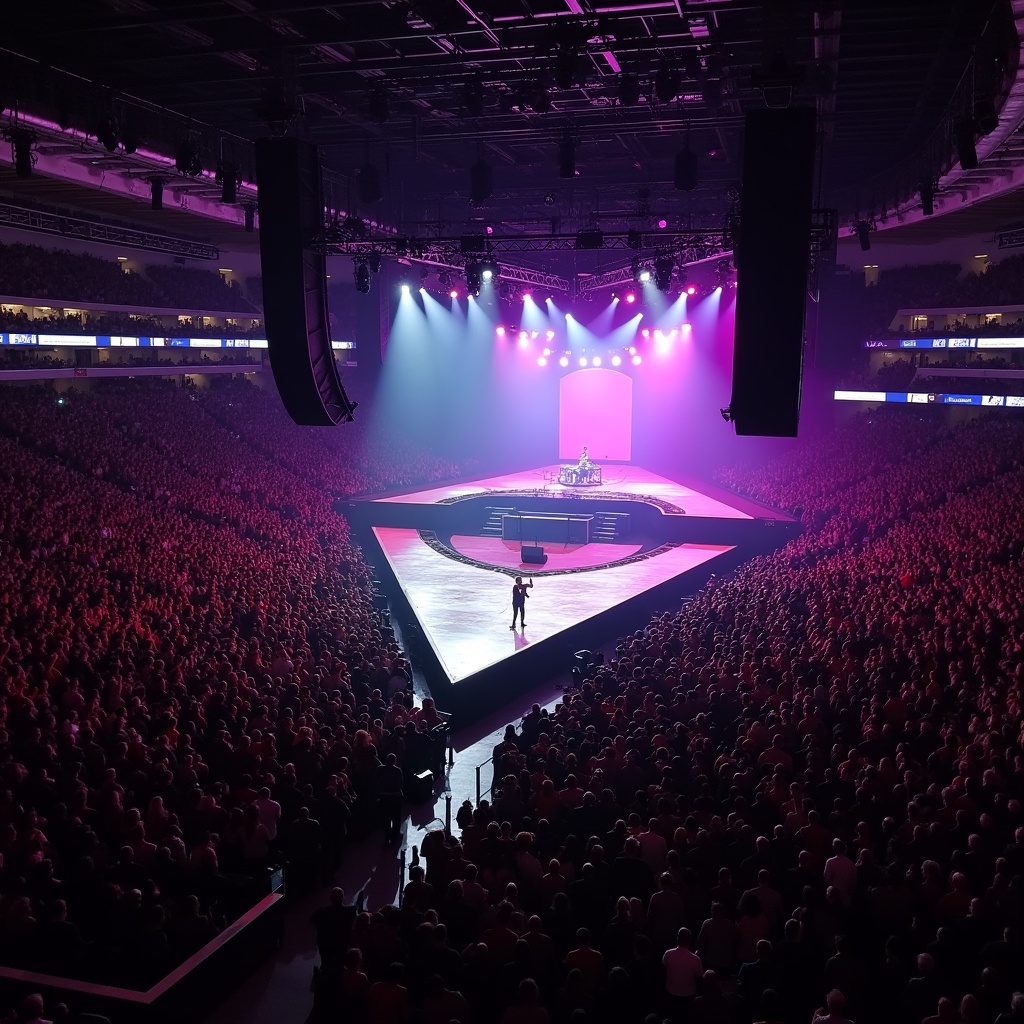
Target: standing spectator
390,783
683,973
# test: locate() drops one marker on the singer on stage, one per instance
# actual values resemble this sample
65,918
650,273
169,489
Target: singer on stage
519,596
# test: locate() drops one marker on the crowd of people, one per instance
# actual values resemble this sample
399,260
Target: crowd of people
943,286
797,798
194,681
194,288
17,321
909,373
16,358
32,272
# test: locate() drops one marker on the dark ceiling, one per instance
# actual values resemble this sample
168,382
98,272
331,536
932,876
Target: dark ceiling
423,89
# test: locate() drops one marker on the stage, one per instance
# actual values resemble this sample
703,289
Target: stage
634,482
448,573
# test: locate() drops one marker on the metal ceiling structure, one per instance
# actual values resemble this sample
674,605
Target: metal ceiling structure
421,90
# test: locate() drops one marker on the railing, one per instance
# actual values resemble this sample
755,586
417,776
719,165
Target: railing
479,791
204,974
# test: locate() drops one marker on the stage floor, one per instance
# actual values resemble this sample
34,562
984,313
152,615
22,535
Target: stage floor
465,611
630,480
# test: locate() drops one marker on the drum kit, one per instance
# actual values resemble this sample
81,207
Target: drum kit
581,475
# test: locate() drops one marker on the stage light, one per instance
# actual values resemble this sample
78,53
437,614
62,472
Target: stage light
564,361
547,351
533,334
583,360
663,267
522,335
542,361
361,272
643,276
526,296
646,333
597,361
568,316
499,331
637,360
523,341
106,133
632,348
129,137
616,360
686,328
630,297
550,335
454,293
691,290
489,270
473,278
927,190
229,184
22,139
662,223
186,158
405,289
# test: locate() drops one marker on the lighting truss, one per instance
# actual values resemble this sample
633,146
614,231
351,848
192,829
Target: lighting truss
67,226
669,241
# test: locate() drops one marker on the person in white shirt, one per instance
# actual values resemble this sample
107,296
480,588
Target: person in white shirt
683,972
270,812
841,872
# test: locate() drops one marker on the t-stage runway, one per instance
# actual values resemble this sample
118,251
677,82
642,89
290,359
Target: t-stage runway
465,610
450,577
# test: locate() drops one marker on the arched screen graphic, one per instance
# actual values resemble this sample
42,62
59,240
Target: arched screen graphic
595,408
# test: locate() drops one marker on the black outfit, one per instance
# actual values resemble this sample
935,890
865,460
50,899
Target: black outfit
519,596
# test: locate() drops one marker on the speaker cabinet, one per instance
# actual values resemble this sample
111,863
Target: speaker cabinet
532,554
295,284
773,251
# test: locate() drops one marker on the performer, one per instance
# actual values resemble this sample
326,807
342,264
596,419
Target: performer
584,468
519,596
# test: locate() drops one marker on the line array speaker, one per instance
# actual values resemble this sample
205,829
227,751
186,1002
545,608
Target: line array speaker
295,284
771,297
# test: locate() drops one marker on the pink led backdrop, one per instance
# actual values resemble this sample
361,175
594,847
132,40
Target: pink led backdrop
595,408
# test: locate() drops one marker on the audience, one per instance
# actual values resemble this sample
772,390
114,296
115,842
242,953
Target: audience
32,272
191,670
796,798
836,727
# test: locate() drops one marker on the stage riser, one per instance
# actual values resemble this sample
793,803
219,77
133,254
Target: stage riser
467,517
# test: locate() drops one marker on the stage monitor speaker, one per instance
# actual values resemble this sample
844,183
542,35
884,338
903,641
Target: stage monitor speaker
771,280
533,554
295,284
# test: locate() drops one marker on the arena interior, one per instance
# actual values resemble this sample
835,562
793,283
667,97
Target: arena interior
511,512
